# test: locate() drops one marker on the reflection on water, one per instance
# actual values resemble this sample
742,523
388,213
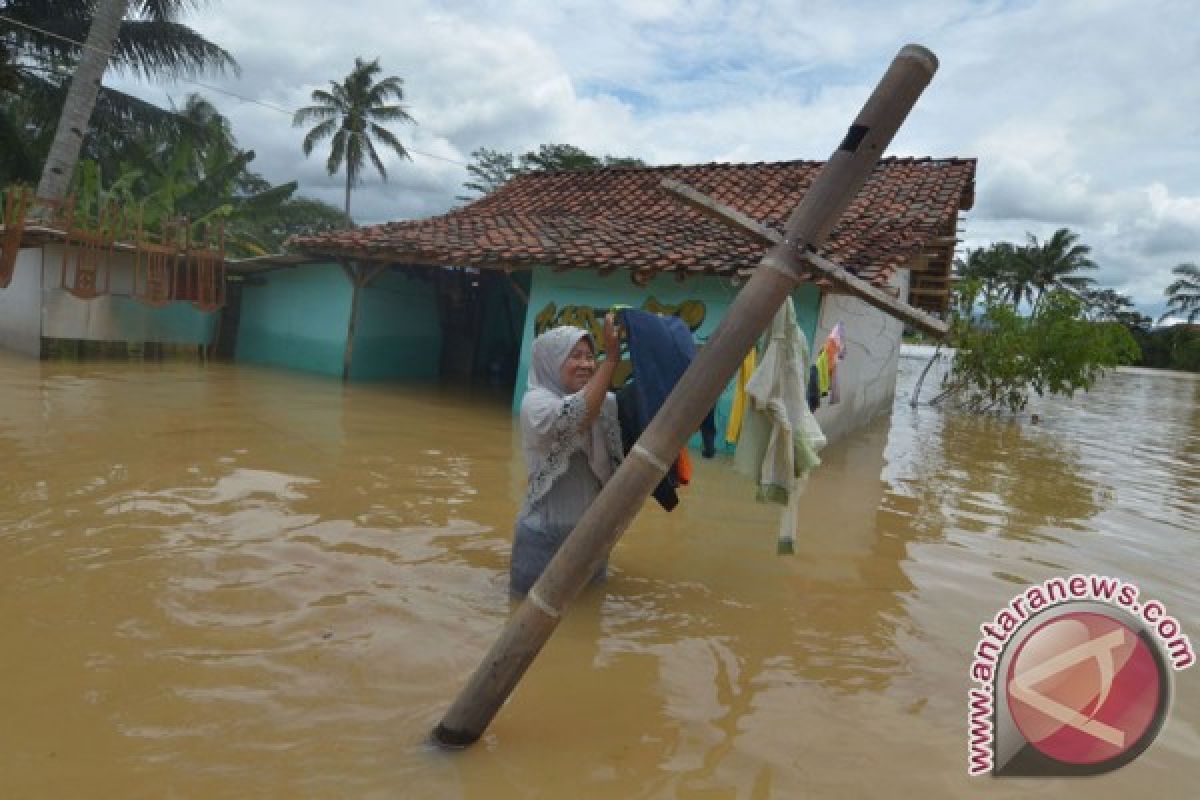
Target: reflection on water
227,582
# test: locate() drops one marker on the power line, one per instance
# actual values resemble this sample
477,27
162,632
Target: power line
209,87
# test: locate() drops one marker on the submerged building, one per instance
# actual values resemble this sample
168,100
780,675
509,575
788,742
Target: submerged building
462,295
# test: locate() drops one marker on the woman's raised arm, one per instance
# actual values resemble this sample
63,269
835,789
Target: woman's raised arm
597,386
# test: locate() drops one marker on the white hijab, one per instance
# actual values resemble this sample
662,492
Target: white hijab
542,404
549,353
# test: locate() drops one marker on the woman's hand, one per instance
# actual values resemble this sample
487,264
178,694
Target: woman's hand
596,388
612,338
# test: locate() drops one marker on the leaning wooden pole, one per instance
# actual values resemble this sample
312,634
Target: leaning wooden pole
622,497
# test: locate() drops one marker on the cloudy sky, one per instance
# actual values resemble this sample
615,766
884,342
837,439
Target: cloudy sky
1082,113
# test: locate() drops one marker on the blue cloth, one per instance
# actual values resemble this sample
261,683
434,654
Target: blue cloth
628,413
814,388
660,348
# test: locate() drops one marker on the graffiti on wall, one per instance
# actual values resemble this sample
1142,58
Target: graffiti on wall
591,319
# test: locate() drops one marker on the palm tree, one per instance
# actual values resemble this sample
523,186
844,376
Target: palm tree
1183,296
151,43
990,266
1054,264
351,113
81,99
1106,305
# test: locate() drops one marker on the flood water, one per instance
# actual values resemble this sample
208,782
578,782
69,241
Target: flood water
221,581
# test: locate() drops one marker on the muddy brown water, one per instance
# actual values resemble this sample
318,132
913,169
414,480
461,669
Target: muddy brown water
231,582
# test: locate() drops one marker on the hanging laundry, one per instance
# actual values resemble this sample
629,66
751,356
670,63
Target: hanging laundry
660,349
814,388
780,436
734,428
628,416
834,351
823,372
683,467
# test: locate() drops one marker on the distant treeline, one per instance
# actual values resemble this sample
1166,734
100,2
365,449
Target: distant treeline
1176,347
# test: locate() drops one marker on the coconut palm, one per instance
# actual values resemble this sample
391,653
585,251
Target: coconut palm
1183,296
142,36
1105,305
990,266
1055,263
351,112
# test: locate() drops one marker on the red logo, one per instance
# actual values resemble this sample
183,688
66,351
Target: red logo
1085,690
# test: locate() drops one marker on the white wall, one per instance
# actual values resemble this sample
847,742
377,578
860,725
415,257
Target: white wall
21,305
116,316
867,375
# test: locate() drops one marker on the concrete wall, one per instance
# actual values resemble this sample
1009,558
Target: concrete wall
578,287
116,316
35,306
297,318
867,376
21,305
399,334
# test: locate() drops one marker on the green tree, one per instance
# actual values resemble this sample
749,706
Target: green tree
989,266
488,171
18,162
569,158
41,37
491,169
296,216
351,113
1109,305
1183,295
1056,262
1022,274
1001,356
201,175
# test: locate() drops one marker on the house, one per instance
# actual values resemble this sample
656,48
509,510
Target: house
69,278
462,295
466,292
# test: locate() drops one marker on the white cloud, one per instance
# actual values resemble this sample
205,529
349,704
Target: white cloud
1079,111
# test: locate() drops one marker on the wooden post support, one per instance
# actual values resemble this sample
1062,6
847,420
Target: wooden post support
838,276
360,276
516,287
352,272
621,498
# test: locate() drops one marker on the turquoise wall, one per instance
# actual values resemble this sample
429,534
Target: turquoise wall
578,287
296,319
175,322
399,333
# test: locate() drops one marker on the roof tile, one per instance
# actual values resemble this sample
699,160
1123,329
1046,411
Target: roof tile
620,218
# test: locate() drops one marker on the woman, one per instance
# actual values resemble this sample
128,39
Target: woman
571,441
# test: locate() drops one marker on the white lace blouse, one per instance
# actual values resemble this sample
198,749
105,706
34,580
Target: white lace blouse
567,465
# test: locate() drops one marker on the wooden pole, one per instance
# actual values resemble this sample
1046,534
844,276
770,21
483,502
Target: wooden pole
838,276
352,271
360,275
621,498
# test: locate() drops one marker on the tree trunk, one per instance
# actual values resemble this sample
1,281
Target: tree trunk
349,222
81,99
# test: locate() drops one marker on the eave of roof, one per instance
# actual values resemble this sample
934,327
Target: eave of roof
620,219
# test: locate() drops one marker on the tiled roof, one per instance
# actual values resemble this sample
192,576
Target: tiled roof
620,218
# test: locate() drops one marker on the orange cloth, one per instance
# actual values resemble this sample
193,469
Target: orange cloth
683,467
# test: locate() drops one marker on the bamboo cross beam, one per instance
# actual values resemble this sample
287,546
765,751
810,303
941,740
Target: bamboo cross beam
782,269
838,276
